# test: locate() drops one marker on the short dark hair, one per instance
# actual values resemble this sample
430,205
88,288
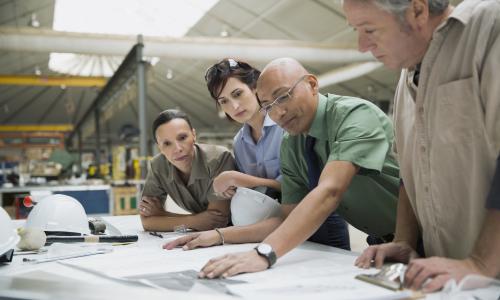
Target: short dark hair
217,76
167,116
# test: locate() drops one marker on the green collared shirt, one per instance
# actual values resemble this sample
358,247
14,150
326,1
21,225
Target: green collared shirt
354,130
164,179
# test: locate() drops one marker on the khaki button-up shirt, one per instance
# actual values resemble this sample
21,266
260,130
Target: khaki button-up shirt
164,179
448,128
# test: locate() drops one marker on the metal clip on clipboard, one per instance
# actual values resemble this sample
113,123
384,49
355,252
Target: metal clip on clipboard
390,277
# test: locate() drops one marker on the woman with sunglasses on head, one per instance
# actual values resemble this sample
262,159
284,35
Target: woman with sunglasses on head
232,85
257,144
185,170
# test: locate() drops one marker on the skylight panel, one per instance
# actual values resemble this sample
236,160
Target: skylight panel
169,18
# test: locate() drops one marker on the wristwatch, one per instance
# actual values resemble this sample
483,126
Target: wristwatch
266,251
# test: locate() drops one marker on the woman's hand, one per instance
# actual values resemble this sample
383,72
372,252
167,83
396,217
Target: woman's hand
195,240
151,206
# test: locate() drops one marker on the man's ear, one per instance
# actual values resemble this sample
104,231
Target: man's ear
417,14
313,83
194,134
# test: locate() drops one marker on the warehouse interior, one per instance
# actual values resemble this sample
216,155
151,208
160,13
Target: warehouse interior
81,82
51,75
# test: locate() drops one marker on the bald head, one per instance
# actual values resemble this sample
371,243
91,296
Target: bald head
282,68
290,94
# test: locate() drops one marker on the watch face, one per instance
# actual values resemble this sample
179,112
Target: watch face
264,249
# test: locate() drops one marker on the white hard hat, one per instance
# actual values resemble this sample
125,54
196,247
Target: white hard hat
249,207
59,213
8,237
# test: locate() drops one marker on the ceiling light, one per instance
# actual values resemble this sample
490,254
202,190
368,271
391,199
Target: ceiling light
33,22
370,89
170,74
224,33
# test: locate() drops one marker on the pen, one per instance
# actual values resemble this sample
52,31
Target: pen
154,233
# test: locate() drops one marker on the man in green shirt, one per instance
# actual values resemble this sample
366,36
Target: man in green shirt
359,176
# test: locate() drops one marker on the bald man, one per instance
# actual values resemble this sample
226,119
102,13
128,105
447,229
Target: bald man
346,141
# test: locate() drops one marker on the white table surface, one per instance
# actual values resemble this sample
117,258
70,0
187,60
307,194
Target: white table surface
310,270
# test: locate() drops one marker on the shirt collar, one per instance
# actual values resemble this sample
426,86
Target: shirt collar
247,134
462,13
316,129
268,121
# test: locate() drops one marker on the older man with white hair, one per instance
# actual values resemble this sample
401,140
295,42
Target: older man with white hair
447,132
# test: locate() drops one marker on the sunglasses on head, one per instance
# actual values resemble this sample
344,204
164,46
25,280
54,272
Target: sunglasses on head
224,66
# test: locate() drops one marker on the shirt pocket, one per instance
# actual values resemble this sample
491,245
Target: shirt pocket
460,116
272,167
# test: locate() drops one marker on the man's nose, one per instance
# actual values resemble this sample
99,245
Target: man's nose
277,112
364,43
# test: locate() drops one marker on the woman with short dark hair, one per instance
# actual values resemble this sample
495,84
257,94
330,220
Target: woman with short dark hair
185,170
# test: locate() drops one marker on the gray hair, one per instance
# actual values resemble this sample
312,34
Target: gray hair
398,7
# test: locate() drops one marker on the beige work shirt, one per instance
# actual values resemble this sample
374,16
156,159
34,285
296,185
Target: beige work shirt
448,129
164,179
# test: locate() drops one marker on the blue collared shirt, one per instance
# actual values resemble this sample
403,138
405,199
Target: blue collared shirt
261,159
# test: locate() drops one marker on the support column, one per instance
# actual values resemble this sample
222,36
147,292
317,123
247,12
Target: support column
141,98
97,141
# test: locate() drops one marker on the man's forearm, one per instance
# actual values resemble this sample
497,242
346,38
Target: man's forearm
406,221
303,221
254,233
313,210
487,248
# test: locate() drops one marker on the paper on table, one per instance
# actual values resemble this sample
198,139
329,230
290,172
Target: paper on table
472,287
299,273
136,260
304,273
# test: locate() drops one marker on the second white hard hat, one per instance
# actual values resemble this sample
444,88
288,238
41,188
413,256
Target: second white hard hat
59,214
250,207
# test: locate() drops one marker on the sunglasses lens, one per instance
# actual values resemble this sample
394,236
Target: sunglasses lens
210,73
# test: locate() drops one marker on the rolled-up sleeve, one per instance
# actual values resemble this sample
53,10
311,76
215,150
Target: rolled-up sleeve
225,162
152,186
293,186
361,139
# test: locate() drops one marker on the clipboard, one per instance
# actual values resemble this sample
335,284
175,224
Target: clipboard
390,277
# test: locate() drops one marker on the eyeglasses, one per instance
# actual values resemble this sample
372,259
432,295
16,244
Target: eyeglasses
222,67
283,98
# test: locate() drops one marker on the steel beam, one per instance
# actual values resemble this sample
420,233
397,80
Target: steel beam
79,81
